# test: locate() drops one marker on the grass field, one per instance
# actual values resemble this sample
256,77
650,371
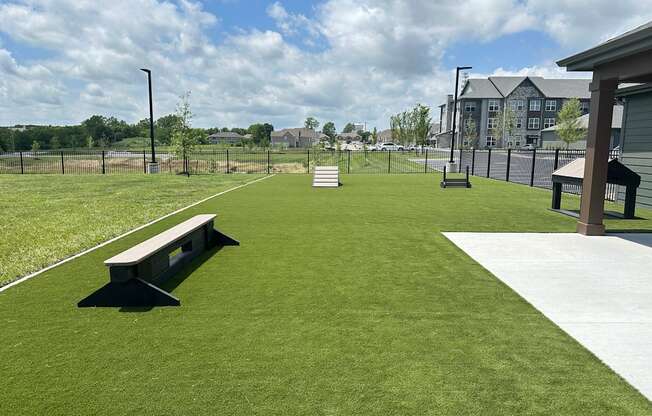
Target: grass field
46,218
337,302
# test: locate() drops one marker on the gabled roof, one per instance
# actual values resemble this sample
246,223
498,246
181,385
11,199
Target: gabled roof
563,88
505,85
480,88
225,135
501,87
635,41
296,132
616,120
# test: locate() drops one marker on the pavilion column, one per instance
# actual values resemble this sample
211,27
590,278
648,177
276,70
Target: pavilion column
597,156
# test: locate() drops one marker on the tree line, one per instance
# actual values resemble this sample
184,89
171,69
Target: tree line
100,131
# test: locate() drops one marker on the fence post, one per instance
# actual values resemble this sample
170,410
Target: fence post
22,169
144,163
308,160
556,165
63,169
534,159
348,162
460,159
103,168
268,167
488,162
389,161
473,161
228,168
425,165
509,160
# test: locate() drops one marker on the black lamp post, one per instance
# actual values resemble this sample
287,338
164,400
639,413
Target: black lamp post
151,112
457,80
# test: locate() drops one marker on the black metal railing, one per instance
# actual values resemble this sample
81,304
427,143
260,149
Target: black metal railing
527,167
206,161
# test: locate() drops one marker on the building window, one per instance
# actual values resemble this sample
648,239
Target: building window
491,123
491,142
517,140
519,123
551,105
517,105
535,105
585,106
548,122
469,107
494,105
533,123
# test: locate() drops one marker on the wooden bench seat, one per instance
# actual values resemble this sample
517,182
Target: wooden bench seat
136,272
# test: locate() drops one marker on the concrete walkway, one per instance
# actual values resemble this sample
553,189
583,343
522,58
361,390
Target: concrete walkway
597,289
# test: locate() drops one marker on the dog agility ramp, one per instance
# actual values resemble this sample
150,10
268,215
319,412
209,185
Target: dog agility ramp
326,177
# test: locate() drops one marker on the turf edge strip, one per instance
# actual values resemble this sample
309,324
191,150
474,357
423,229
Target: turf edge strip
67,259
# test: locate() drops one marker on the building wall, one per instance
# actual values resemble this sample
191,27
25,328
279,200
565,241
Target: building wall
637,144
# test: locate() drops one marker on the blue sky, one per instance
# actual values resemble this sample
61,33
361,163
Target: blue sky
279,61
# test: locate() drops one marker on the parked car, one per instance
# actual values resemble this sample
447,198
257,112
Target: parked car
390,146
529,147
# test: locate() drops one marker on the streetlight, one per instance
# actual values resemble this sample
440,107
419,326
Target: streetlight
151,113
451,162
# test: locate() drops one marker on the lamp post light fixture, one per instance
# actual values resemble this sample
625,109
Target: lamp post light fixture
451,163
153,166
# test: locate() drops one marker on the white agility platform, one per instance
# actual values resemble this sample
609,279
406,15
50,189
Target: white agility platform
326,177
596,289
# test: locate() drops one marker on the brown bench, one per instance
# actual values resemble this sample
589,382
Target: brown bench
136,273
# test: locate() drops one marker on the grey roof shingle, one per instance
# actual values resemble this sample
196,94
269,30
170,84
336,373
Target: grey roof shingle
506,85
480,88
500,87
563,88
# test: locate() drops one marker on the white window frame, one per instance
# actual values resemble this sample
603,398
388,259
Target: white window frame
490,141
517,140
535,105
551,105
549,122
519,122
469,107
493,105
531,125
517,105
491,123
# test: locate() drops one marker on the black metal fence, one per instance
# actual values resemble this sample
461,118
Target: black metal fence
528,167
222,161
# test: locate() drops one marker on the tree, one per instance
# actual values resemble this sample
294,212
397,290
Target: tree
90,142
505,124
568,125
470,132
311,123
96,127
364,135
182,138
54,143
421,121
164,126
374,136
329,130
349,128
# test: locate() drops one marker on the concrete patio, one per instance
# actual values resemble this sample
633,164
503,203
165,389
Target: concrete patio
596,289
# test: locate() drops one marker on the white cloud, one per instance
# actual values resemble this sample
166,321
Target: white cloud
367,59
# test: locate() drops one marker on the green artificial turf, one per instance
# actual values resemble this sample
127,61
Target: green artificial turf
46,218
338,302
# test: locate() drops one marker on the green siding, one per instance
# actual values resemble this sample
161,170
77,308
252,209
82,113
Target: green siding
637,144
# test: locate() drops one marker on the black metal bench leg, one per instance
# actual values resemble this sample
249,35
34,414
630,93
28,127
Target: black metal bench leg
131,293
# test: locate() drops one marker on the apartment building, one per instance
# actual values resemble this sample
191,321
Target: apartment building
534,101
